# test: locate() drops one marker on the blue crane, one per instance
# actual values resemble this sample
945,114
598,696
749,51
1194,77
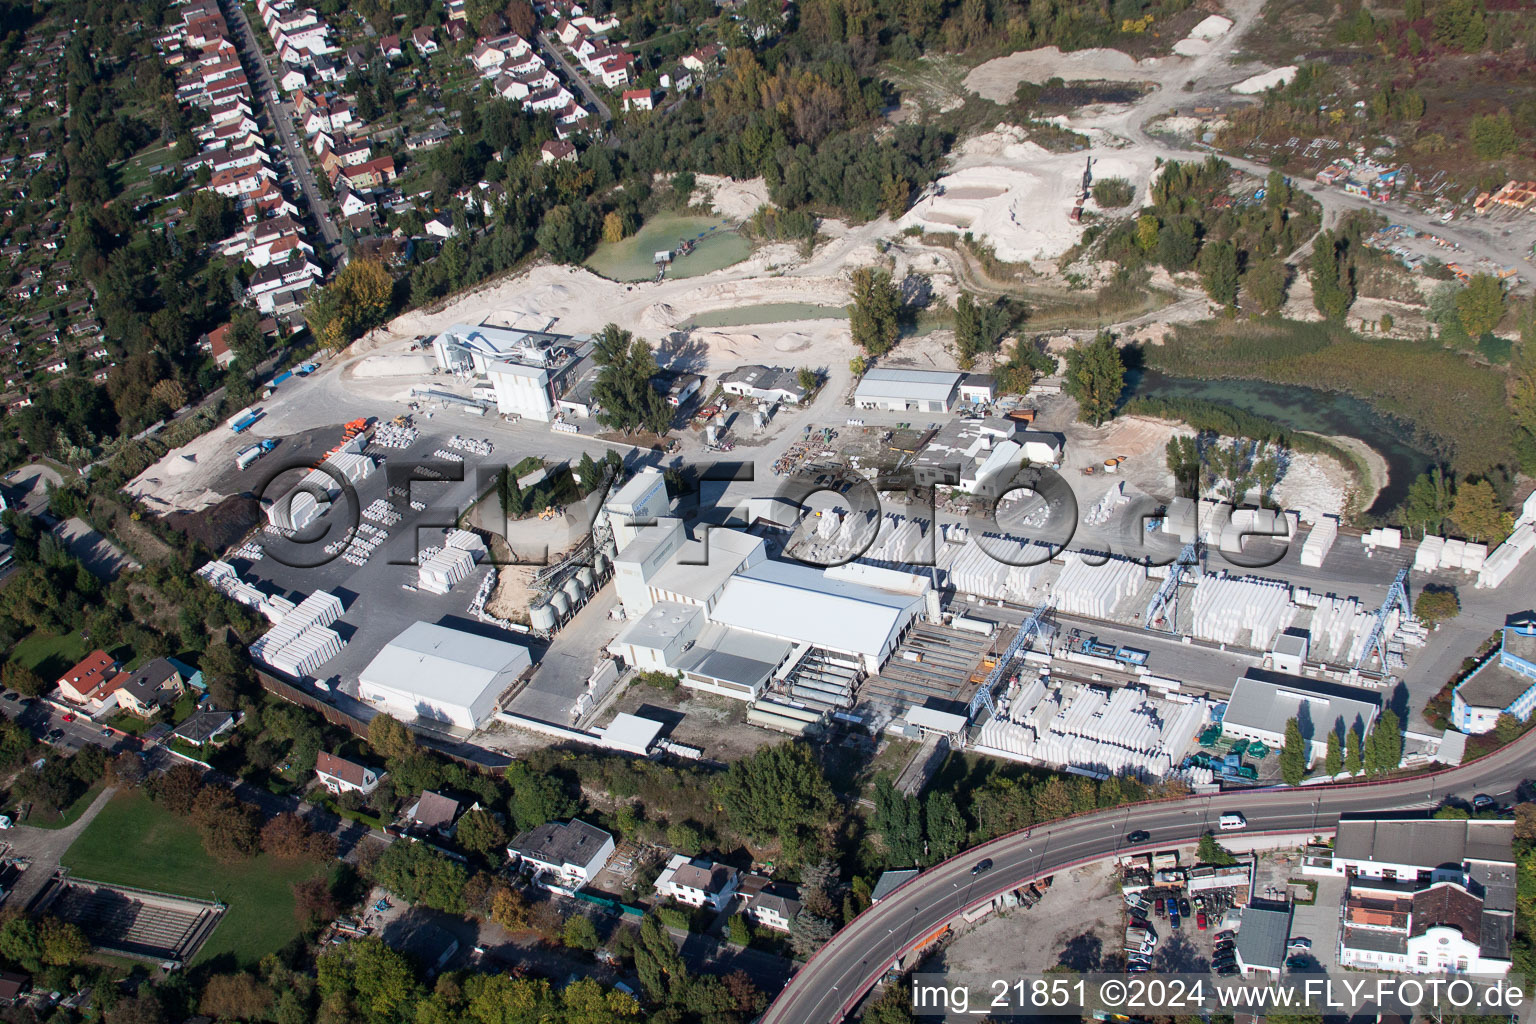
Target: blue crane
1168,594
1376,643
1031,627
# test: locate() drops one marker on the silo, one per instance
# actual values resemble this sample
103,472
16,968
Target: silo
600,564
585,575
560,603
541,616
574,590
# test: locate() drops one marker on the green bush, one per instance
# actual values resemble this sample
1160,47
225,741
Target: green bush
1113,193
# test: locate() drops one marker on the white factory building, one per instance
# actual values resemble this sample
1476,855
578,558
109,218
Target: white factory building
1263,702
442,675
895,390
716,610
527,370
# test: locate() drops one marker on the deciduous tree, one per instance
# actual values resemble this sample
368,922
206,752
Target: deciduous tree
874,315
1096,377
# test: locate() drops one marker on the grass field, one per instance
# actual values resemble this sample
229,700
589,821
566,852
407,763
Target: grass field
136,842
50,656
49,818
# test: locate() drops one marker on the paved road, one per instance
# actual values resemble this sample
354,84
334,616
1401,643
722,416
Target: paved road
43,847
833,982
552,49
298,160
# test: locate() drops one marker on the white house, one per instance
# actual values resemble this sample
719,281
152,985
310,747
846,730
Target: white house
293,80
339,775
573,852
698,882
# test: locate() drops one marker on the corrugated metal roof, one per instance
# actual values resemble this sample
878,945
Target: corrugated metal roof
917,385
799,603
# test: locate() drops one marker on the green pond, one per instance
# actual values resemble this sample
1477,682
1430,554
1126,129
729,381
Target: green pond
768,313
718,245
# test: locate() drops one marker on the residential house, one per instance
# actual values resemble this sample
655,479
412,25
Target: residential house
350,202
423,41
151,687
340,775
702,59
698,882
93,682
218,344
441,226
774,907
293,80
205,727
572,852
371,174
764,383
433,812
639,99
12,986
389,46
556,151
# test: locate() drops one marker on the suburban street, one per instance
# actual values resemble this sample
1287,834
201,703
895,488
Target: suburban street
279,115
833,982
575,77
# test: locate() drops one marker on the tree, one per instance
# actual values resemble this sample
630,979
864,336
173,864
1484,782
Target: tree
1333,761
967,331
1218,272
1331,281
509,909
1113,193
289,837
898,820
370,981
874,315
1388,740
1209,851
235,997
1436,604
480,832
624,388
1430,499
417,872
389,737
777,793
1177,245
613,227
1460,24
314,903
178,788
23,680
587,473
1293,755
1480,305
893,1007
945,826
808,379
1146,233
1265,284
808,933
580,933
1352,759
61,943
1095,377
1478,513
857,365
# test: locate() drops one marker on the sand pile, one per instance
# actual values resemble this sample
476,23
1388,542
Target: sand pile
660,316
410,364
998,79
1268,80
1017,195
734,200
1198,42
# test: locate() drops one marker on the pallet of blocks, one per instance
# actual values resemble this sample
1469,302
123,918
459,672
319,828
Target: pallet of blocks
1319,542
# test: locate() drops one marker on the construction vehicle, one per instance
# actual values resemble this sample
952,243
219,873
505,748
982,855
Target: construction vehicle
402,420
240,424
548,513
254,452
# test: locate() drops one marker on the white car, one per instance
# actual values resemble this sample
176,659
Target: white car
5,821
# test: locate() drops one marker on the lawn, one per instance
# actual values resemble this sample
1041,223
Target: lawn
50,656
134,841
49,818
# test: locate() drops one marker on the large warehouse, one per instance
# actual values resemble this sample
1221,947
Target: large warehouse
1263,702
442,675
907,390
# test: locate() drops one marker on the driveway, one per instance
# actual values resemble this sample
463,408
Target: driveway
577,79
44,846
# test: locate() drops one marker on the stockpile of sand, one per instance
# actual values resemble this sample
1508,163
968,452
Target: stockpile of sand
1017,196
734,200
1268,80
998,79
1198,42
409,364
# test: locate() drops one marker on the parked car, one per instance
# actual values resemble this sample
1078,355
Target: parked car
1226,936
1200,920
69,716
1184,907
1299,942
1484,802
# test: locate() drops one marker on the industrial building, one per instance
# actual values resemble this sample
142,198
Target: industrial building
528,370
641,501
1263,702
966,453
1262,939
442,675
763,383
1502,685
896,390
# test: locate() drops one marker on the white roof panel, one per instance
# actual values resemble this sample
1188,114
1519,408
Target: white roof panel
802,604
444,665
922,385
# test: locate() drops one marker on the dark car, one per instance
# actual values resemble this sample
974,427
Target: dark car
1141,835
1184,908
1484,802
55,735
984,864
12,695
